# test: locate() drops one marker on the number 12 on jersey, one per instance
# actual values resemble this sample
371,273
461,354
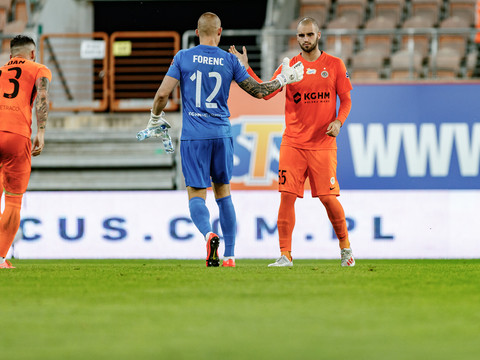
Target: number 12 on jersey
197,76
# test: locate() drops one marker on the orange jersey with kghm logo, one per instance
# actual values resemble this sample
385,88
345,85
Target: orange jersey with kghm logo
17,94
311,104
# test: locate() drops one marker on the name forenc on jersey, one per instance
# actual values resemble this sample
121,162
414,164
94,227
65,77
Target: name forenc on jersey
208,60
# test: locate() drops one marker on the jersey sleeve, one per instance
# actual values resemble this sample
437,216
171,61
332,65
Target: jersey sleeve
343,79
239,71
278,71
174,69
44,72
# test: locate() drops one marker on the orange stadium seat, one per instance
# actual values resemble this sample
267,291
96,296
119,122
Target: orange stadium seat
345,46
446,64
353,10
454,41
427,8
464,9
5,6
12,28
381,42
405,64
20,11
390,9
317,9
421,41
366,65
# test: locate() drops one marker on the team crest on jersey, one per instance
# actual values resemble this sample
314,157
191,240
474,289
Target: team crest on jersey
324,74
311,71
332,180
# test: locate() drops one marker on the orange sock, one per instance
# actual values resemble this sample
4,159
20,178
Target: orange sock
286,223
337,218
10,222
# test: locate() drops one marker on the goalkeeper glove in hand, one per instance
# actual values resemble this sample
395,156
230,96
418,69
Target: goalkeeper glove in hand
156,121
290,74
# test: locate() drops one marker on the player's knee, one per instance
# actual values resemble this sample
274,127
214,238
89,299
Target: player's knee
221,190
327,200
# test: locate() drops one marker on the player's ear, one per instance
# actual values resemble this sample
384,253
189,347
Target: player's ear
219,31
196,32
32,55
319,35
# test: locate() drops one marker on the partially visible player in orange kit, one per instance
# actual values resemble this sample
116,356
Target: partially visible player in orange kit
21,81
309,147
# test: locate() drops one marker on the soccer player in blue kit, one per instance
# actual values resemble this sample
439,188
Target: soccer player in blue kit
205,73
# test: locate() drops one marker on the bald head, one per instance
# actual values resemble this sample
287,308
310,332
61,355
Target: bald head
306,21
208,24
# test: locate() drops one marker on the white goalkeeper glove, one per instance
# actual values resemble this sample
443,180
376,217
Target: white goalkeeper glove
290,74
157,120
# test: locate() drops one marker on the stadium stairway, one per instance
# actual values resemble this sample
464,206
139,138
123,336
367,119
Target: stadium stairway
101,152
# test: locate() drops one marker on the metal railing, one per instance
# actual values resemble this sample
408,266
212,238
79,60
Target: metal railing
273,45
97,72
138,64
79,66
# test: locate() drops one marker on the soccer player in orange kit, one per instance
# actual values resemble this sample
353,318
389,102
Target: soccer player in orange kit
21,81
309,147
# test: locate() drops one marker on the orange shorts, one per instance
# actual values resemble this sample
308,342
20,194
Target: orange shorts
320,166
15,162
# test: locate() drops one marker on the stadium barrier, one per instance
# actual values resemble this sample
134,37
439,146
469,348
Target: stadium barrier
97,72
79,65
271,45
408,168
157,225
138,64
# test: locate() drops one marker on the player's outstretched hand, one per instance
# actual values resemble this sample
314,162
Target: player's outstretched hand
157,120
290,74
243,58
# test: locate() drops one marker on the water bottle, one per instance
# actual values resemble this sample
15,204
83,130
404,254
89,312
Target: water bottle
166,139
161,130
145,134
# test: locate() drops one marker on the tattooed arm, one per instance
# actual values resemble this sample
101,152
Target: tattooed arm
41,108
254,85
260,90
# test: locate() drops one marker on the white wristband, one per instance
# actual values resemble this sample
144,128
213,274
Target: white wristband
282,79
155,117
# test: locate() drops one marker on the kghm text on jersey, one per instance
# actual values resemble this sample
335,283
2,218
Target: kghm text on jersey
208,60
317,95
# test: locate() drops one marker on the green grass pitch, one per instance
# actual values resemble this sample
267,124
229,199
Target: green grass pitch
175,309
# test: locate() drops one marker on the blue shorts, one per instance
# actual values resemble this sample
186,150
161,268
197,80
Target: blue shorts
207,161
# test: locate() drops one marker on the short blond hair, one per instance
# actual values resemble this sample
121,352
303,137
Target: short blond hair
208,24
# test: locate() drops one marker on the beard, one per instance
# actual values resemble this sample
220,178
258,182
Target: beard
310,48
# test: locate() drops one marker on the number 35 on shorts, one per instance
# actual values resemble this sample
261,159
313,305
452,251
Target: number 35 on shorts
281,177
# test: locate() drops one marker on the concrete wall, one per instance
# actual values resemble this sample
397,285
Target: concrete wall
65,16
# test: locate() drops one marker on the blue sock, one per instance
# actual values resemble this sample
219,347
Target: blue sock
200,215
228,222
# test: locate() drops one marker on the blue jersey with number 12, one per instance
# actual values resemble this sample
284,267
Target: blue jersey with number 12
205,73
